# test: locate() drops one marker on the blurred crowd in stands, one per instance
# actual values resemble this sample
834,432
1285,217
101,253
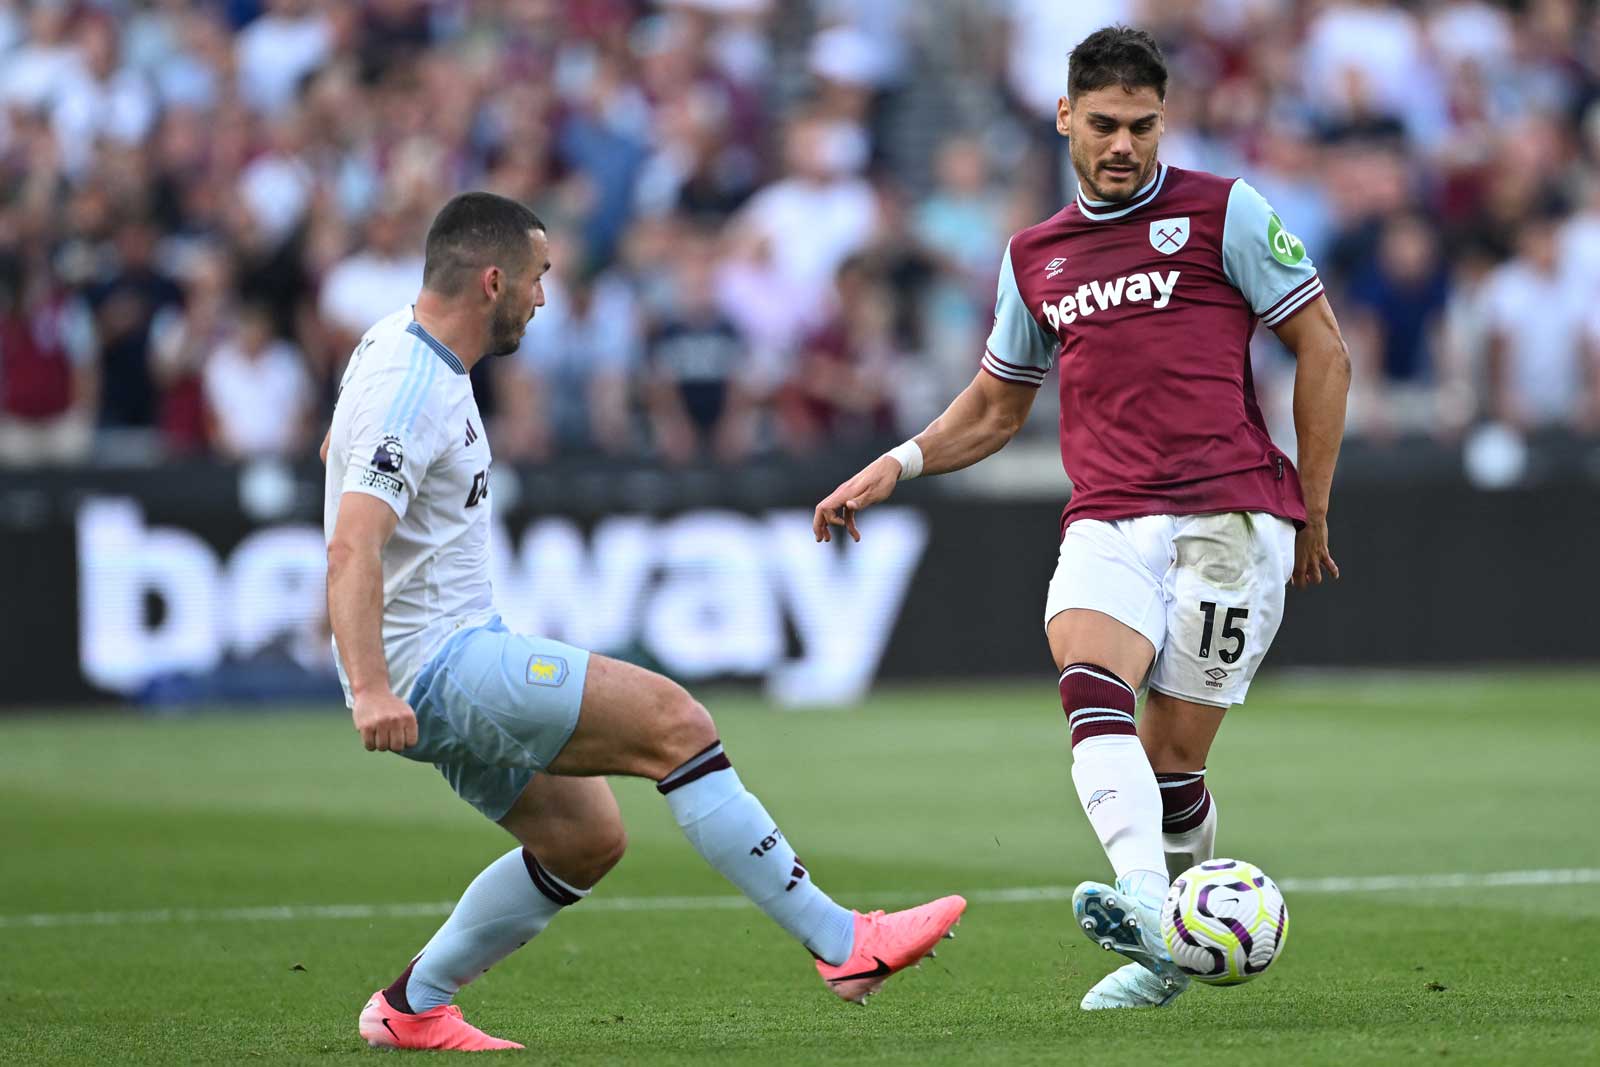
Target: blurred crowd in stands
775,224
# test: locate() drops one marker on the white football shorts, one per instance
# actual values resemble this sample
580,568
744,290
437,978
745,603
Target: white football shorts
1206,590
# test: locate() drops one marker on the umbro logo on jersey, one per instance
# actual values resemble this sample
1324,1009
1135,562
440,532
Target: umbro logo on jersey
472,435
1098,296
1053,267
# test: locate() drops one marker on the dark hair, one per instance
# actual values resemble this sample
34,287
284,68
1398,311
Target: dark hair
473,231
1117,55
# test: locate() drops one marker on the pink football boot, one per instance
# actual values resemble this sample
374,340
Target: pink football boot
888,943
437,1028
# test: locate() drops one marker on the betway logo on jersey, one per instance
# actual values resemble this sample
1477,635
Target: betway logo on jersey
1137,288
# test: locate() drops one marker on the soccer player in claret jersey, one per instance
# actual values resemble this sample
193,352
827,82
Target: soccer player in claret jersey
1185,521
521,726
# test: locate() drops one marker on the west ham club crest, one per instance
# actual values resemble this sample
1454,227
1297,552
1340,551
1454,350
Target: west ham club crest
1169,235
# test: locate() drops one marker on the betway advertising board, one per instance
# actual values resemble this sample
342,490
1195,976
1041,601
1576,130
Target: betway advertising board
155,591
704,594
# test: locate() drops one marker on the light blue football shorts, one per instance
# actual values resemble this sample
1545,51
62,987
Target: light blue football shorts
493,709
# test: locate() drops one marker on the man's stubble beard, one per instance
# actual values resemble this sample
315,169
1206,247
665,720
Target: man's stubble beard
505,333
1084,166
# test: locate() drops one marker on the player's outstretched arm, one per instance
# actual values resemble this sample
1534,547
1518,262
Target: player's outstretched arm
355,608
1321,385
978,423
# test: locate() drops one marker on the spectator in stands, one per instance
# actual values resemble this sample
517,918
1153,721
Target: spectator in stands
194,65
694,169
257,392
394,32
1395,307
578,361
1366,69
47,368
964,219
604,137
852,69
380,276
841,385
699,391
100,97
1538,374
277,185
1470,31
182,339
817,215
279,48
34,72
125,300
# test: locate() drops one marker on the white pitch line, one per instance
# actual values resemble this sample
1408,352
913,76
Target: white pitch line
724,902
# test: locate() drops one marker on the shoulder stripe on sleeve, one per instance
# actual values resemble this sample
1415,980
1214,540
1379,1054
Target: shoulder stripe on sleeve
1290,295
1006,374
1018,367
1297,299
402,396
422,394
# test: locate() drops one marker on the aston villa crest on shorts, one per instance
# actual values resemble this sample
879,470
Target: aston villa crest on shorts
1169,235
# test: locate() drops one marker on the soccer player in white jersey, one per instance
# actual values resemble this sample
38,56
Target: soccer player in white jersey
521,726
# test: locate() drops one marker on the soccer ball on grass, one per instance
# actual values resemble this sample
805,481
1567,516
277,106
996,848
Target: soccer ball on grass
1224,922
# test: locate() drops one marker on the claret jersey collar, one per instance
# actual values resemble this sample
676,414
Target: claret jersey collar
1104,210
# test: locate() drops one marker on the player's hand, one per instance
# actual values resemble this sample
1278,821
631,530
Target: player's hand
386,723
1311,556
873,484
322,453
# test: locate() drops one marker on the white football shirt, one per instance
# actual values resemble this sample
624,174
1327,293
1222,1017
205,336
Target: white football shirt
406,430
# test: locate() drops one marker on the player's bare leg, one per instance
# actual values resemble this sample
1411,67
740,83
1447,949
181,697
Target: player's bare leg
635,722
570,834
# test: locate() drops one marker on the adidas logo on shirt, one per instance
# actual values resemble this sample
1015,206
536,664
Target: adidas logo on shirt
1098,296
472,435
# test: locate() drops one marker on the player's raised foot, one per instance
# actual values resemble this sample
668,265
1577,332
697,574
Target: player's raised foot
1132,986
440,1028
886,943
1120,922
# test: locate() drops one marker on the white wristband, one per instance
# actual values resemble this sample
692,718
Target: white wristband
909,456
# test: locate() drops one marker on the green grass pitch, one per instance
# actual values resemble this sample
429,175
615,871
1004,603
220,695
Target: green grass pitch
919,792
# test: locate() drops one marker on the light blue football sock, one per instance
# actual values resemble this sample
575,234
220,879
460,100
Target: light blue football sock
503,909
730,828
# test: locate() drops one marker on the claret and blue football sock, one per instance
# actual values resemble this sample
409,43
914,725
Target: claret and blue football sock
1188,820
1112,773
730,828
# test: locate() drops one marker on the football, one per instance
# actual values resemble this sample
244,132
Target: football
1224,922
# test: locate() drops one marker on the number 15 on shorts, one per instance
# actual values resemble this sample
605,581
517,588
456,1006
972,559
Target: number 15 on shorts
1231,631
